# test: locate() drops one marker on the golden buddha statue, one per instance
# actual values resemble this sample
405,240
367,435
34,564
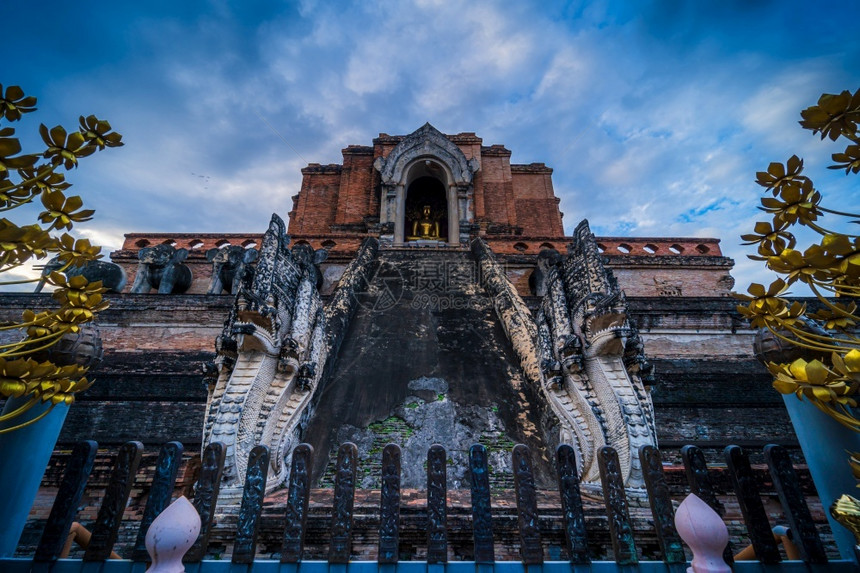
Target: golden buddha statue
425,227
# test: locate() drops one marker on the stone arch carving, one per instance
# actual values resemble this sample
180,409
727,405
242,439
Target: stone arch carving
426,150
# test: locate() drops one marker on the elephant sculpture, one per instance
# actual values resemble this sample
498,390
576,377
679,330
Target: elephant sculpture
111,275
161,268
547,259
228,266
312,259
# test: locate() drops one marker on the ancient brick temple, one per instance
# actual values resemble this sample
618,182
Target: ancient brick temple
424,291
458,270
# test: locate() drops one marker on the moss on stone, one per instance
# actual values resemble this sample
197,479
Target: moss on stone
496,443
393,429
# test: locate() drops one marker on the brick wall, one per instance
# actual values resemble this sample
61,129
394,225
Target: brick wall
496,186
535,201
539,217
672,277
639,276
150,384
317,202
356,186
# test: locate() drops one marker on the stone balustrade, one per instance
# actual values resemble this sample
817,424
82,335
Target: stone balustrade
642,246
191,241
660,246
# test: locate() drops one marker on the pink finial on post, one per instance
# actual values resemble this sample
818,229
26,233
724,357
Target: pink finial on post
171,535
704,532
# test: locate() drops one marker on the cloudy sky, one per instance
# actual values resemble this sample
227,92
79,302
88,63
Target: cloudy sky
655,115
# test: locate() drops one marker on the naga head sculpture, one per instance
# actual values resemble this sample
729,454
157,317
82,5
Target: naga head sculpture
267,355
265,303
261,318
604,323
599,394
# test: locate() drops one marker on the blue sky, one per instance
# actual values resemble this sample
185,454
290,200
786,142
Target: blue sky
654,115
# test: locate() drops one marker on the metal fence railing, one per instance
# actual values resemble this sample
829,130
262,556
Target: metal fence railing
109,520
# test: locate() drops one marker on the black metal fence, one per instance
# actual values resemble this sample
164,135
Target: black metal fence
108,522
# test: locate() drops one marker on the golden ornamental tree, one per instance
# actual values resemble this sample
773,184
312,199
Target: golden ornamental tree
26,366
826,371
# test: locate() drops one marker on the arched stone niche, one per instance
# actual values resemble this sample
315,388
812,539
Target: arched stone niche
426,153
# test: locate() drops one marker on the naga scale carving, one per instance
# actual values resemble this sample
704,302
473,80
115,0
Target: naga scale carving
269,360
582,351
592,361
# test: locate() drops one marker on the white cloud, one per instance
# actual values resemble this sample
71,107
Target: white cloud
650,129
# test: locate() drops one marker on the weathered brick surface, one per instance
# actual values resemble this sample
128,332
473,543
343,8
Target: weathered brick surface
150,421
149,385
539,216
155,345
339,245
660,246
169,376
356,187
496,185
496,205
725,382
673,275
533,181
142,323
315,209
687,313
693,328
346,196
515,250
654,276
536,203
724,425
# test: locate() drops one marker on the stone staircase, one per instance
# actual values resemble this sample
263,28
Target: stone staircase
425,361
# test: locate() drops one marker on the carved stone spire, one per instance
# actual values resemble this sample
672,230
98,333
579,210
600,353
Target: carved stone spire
593,360
270,357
